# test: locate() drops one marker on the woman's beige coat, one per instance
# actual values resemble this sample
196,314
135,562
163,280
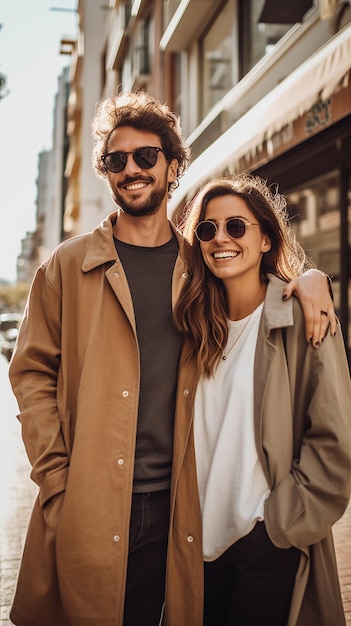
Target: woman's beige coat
75,373
302,416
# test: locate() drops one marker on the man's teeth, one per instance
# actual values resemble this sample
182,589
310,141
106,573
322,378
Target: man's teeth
135,186
225,255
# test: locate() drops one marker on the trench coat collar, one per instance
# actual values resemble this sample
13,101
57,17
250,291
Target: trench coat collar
101,247
276,313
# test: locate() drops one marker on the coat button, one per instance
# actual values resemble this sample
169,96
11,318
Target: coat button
190,539
125,394
116,274
116,538
186,392
120,461
184,275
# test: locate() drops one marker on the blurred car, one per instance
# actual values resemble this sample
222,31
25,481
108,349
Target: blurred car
9,320
8,342
9,324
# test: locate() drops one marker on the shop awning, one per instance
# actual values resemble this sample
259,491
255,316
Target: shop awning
318,78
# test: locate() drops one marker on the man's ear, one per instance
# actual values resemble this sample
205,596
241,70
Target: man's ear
172,170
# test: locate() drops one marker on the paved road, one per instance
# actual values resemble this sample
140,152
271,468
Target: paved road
17,493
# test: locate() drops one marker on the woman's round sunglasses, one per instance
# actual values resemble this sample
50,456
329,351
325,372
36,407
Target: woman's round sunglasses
144,157
235,227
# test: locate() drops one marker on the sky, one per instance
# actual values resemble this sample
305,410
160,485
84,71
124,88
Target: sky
30,38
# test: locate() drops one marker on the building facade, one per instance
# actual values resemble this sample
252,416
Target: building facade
260,85
51,190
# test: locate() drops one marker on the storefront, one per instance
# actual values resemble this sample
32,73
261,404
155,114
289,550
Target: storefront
315,175
299,137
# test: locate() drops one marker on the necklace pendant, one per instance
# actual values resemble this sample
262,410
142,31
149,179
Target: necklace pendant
224,357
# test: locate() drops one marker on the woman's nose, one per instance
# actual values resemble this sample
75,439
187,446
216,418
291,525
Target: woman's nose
221,232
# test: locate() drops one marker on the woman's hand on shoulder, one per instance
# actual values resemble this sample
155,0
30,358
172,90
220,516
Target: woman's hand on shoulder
312,290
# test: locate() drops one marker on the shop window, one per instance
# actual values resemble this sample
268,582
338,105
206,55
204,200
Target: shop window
316,206
179,74
219,52
314,210
259,35
141,51
305,212
342,16
127,13
169,9
127,79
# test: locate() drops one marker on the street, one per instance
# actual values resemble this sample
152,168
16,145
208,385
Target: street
17,493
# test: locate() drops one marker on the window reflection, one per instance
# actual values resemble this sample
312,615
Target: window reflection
169,9
219,54
314,210
257,39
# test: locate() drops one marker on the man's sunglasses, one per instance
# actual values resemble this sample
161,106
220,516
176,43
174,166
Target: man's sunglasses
145,158
235,226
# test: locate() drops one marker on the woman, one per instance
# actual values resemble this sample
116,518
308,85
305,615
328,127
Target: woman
270,444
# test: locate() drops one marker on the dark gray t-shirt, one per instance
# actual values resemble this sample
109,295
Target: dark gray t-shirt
149,272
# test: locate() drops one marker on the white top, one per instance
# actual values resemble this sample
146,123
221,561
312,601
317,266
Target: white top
231,482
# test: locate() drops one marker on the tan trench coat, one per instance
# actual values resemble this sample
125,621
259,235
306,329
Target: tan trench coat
75,373
302,414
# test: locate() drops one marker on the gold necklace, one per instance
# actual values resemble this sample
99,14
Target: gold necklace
224,355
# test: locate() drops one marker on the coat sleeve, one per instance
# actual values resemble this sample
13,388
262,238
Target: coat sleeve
306,503
34,372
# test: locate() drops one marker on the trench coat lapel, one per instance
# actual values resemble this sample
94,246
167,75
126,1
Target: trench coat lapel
274,316
102,251
180,274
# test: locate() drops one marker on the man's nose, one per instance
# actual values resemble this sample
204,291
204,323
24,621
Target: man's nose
131,166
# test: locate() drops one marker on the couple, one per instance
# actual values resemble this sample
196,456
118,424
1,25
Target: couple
204,501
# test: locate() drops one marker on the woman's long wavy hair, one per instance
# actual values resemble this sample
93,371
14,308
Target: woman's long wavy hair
201,313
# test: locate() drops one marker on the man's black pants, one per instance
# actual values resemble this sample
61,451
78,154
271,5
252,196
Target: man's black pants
147,559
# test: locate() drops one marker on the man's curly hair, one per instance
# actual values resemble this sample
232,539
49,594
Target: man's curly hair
142,111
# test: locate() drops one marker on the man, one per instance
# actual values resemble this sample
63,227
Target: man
95,372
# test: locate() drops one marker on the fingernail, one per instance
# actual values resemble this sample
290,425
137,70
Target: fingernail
317,344
284,296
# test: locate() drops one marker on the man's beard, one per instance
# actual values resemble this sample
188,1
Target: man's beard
150,207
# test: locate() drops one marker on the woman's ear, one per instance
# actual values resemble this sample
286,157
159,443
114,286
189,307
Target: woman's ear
266,244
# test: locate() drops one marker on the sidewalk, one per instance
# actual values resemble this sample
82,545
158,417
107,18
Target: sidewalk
17,493
342,539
